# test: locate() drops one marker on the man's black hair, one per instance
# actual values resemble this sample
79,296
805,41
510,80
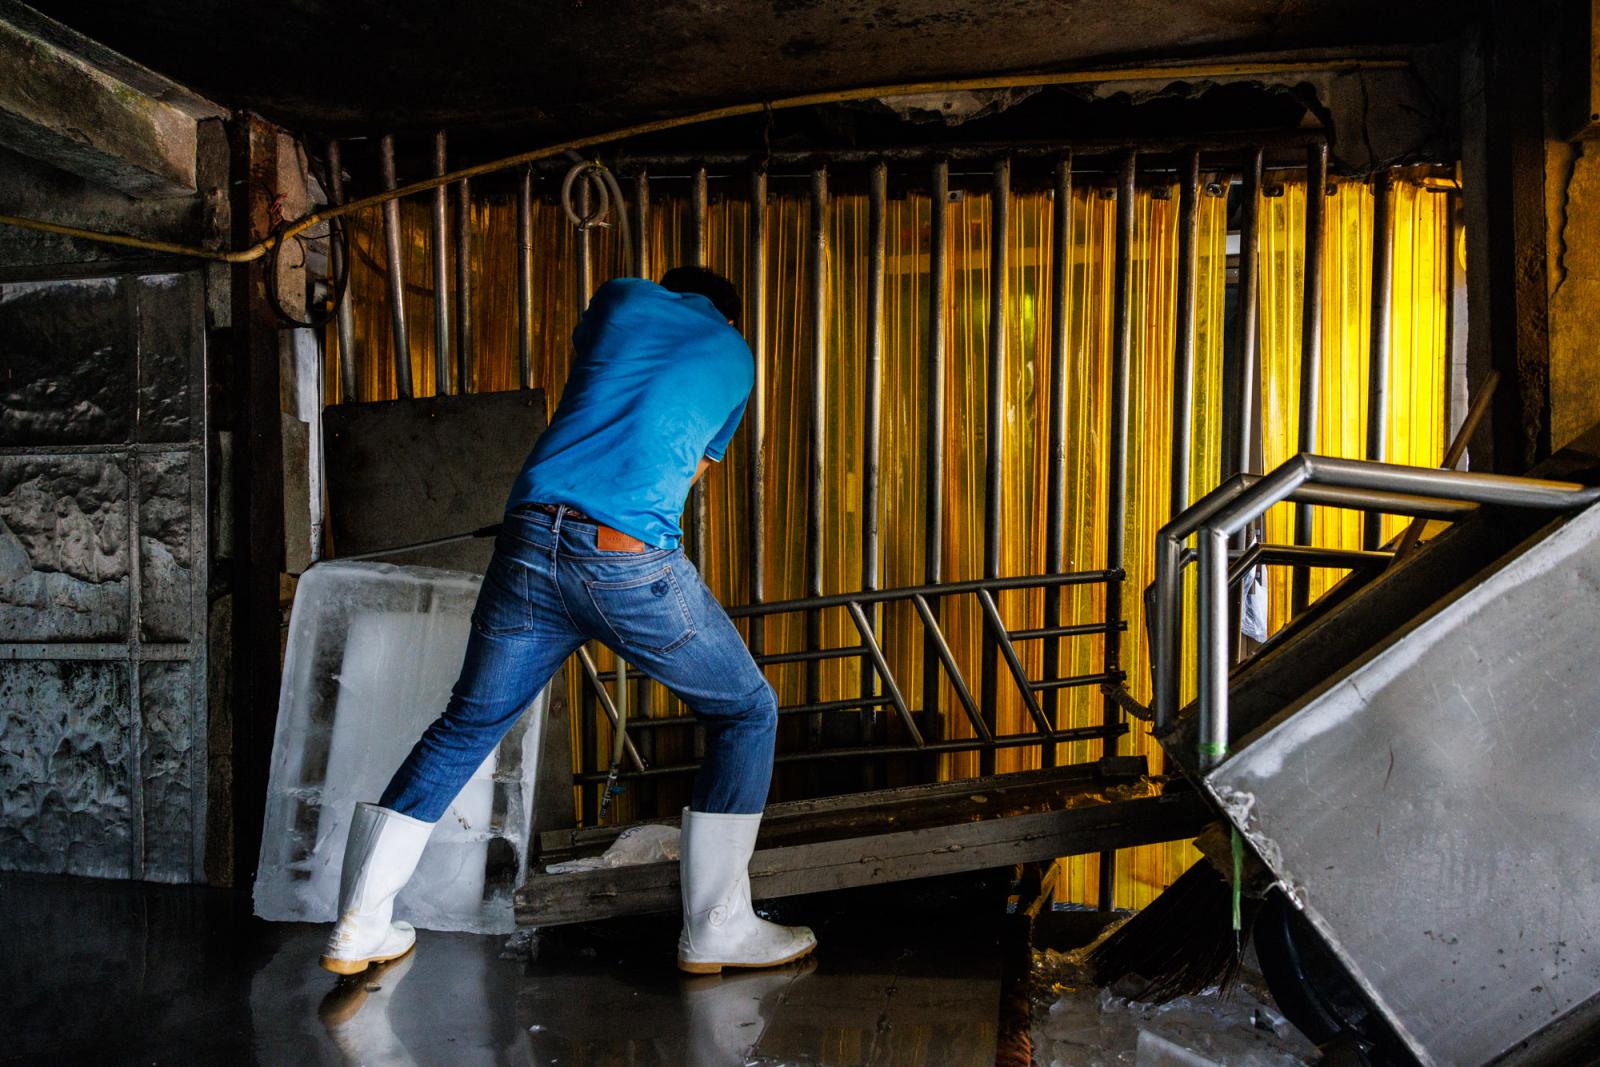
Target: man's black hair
722,293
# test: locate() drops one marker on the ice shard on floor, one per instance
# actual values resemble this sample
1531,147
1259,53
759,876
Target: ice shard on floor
372,653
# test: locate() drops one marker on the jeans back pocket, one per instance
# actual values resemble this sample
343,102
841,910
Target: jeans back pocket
646,611
503,606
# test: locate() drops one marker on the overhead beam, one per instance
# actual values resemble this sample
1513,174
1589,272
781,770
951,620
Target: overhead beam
61,108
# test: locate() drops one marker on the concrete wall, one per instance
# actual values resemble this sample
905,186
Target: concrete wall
1572,212
113,761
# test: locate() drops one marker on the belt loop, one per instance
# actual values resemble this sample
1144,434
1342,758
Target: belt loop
555,537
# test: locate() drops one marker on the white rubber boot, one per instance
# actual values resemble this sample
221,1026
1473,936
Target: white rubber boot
379,857
720,928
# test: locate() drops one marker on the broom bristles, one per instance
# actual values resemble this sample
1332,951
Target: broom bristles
1182,942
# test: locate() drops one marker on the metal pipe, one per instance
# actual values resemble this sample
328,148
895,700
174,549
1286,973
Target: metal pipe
1310,346
1085,629
466,354
1478,488
997,634
1214,644
441,271
819,413
893,691
1184,328
941,647
1239,362
756,409
807,655
346,316
699,507
525,280
851,704
1363,478
641,245
699,204
1379,344
607,706
872,417
396,273
589,751
1333,496
1166,622
1286,148
1056,456
1117,466
1457,399
1454,454
946,589
585,272
1059,737
1241,563
1103,678
1305,556
933,514
994,434
785,711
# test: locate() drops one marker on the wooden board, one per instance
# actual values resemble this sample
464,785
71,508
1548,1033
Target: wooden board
846,862
901,808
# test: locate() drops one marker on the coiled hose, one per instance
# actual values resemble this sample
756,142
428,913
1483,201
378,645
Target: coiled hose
608,192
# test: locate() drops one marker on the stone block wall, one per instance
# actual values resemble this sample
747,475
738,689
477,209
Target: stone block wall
102,576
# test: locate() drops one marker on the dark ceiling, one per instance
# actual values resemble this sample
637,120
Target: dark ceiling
541,68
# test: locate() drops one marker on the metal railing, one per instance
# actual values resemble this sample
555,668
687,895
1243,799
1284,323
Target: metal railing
1308,480
881,689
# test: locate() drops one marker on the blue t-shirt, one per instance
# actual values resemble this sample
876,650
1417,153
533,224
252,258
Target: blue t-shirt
660,380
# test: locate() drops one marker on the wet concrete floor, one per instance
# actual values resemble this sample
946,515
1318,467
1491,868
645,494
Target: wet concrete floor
99,972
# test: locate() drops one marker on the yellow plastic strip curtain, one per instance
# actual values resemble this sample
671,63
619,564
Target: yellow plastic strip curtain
1415,432
494,295
1032,258
1141,872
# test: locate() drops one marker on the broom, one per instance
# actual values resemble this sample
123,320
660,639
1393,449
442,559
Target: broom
1187,939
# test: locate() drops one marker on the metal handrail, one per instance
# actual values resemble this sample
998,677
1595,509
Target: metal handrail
1268,555
1170,555
1362,485
924,599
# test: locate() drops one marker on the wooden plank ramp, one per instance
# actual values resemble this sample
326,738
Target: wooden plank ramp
889,835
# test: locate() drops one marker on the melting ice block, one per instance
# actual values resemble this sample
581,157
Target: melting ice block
372,654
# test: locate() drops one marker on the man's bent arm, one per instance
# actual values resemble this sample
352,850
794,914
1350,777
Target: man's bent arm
705,465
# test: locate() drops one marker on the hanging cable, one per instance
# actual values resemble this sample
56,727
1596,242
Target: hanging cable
319,313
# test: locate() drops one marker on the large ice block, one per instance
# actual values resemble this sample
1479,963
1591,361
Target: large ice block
372,654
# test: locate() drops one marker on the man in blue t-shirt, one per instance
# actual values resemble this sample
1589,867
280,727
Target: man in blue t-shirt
590,551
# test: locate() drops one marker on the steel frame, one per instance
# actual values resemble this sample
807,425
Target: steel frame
859,606
1368,486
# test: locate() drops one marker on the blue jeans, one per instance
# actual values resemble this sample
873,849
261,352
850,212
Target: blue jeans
548,589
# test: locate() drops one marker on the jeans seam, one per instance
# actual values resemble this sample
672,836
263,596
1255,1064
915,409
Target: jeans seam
648,556
555,576
635,582
561,596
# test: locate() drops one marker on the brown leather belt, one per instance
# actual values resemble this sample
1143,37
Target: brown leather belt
606,538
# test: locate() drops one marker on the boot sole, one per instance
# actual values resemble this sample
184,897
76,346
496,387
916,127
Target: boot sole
349,967
690,967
